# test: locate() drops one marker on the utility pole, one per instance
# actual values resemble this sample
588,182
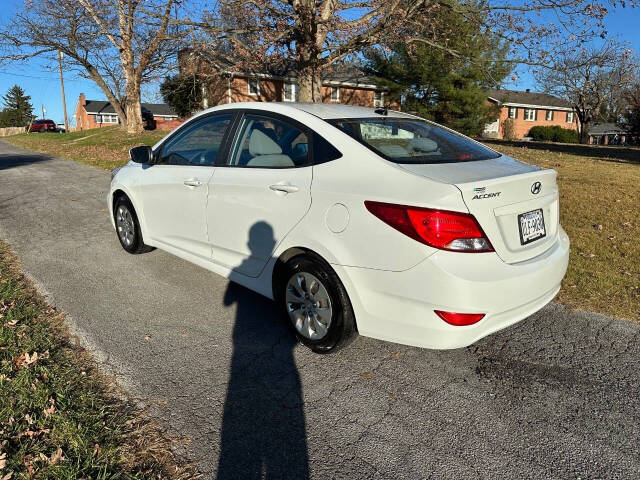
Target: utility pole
43,110
64,101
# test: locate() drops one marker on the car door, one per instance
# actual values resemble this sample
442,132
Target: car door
174,190
260,193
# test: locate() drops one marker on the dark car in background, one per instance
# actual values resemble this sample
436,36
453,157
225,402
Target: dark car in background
42,126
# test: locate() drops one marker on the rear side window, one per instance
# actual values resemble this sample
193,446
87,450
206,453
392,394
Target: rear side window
411,140
265,142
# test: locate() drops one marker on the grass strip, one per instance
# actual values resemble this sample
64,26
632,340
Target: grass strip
105,148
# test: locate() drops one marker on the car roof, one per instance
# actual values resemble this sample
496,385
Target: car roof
336,110
325,111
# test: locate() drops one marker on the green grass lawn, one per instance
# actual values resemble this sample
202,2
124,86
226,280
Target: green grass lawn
600,210
600,206
59,416
104,148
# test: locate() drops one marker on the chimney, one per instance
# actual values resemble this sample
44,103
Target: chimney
82,99
528,90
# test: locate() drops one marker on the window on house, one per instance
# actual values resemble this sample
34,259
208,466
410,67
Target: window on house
378,99
254,86
335,94
513,112
549,116
290,92
569,117
106,118
530,114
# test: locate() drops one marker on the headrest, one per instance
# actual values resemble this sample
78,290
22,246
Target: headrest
261,144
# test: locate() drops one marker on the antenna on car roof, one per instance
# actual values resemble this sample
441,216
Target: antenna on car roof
382,111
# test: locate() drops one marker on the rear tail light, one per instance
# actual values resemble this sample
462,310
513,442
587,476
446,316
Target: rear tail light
455,231
460,319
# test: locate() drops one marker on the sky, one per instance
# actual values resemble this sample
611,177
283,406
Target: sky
40,78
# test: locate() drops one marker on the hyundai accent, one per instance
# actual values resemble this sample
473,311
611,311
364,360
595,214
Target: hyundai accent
352,219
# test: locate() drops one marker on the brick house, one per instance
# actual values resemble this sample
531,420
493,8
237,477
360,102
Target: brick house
100,113
528,109
224,83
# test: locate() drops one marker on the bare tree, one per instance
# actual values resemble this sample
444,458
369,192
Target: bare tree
589,79
313,35
631,110
118,44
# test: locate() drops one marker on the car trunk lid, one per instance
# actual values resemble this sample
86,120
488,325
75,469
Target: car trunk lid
499,192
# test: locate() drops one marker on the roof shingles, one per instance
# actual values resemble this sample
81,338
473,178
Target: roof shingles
527,98
103,107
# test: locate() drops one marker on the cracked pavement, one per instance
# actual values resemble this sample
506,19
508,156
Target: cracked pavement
555,396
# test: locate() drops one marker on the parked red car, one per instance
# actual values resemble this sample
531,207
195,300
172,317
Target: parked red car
42,126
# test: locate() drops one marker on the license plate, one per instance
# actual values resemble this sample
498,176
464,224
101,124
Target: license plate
531,226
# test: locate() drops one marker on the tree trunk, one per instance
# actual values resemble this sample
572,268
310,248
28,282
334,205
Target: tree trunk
115,103
583,127
310,87
134,124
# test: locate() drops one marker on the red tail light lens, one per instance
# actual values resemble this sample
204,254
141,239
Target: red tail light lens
460,319
455,231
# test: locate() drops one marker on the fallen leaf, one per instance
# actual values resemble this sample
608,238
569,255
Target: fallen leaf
395,355
611,237
626,224
96,450
51,409
598,227
8,476
11,323
366,375
51,309
3,460
28,466
25,360
147,338
56,457
28,418
31,433
587,255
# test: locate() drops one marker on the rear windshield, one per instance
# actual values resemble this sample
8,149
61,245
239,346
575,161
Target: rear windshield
411,140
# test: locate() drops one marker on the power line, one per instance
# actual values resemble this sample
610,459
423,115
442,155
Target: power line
38,77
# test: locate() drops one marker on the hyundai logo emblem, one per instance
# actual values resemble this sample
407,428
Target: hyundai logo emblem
536,187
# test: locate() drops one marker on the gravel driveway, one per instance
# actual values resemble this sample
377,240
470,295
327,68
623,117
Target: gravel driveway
556,396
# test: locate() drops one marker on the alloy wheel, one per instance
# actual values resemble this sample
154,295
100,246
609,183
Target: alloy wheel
308,305
125,225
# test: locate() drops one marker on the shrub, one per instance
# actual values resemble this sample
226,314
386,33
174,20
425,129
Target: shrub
508,129
554,133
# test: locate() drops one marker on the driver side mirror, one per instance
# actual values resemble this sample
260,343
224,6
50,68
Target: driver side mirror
142,154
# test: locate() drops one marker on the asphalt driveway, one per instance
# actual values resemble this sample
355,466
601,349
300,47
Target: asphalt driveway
556,396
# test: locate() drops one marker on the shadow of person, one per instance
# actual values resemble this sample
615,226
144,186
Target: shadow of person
263,434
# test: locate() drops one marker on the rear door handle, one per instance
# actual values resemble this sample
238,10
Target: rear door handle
284,187
192,183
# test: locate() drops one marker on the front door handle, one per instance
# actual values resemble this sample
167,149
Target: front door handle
192,183
284,187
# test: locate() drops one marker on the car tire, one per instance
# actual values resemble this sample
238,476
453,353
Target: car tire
316,304
128,227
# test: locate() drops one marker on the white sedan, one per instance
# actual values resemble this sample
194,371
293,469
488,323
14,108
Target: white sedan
351,219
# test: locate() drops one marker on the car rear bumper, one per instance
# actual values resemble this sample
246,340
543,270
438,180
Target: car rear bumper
399,306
